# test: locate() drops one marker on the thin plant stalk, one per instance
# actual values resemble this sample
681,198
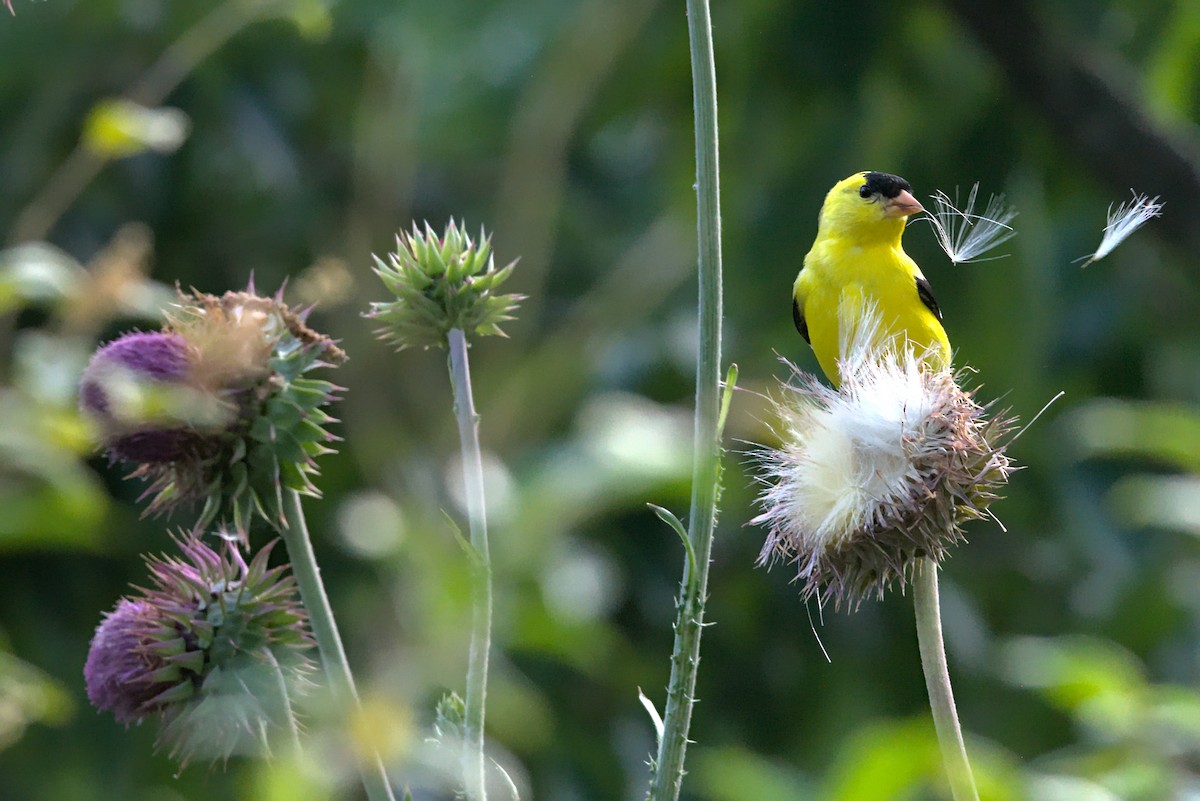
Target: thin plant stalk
937,681
82,166
474,766
685,657
325,630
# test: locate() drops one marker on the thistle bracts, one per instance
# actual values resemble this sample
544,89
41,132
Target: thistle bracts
441,283
872,477
217,407
213,649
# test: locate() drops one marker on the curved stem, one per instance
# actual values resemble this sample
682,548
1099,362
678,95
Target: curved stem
685,658
325,630
937,681
195,45
82,166
474,764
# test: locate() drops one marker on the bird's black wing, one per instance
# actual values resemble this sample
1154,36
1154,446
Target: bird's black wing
798,318
925,293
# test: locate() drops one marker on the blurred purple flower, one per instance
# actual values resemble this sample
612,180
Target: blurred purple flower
119,670
124,388
216,407
204,648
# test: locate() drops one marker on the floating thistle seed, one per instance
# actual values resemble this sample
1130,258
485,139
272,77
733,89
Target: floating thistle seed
870,478
213,650
441,283
217,406
1123,221
964,235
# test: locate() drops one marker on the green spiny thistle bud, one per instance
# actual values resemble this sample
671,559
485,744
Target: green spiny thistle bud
214,649
217,407
441,283
450,721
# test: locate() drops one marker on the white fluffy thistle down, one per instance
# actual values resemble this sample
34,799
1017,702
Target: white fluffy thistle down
870,478
964,235
1123,221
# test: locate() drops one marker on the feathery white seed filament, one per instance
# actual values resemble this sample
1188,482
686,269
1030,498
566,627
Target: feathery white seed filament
850,454
1127,218
965,235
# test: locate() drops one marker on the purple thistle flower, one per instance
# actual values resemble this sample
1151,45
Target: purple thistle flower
217,407
119,670
127,389
155,354
211,633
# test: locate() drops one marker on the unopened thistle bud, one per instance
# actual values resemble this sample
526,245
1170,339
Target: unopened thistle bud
210,650
872,477
441,283
216,406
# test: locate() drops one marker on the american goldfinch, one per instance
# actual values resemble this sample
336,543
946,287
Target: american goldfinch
856,263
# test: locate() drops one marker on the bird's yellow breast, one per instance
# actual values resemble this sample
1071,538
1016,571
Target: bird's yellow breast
843,277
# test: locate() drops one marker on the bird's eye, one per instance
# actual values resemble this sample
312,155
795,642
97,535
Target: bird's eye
864,191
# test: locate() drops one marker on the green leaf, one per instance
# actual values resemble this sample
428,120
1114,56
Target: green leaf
668,517
1164,433
28,696
1074,671
311,18
35,274
118,128
727,398
734,773
469,549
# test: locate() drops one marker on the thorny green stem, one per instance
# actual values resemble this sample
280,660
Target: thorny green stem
474,766
937,681
325,630
685,658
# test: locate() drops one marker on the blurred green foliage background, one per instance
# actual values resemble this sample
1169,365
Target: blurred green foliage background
304,136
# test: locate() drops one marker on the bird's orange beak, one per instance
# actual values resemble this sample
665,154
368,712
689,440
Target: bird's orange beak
902,205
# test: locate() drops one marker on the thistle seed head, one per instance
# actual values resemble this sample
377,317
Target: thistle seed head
870,478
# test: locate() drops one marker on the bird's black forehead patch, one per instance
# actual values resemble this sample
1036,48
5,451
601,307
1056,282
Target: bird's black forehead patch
886,184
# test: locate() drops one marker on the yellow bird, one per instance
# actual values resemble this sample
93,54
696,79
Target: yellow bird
857,262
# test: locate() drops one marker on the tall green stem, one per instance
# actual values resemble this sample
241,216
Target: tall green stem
329,641
474,767
685,658
937,681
